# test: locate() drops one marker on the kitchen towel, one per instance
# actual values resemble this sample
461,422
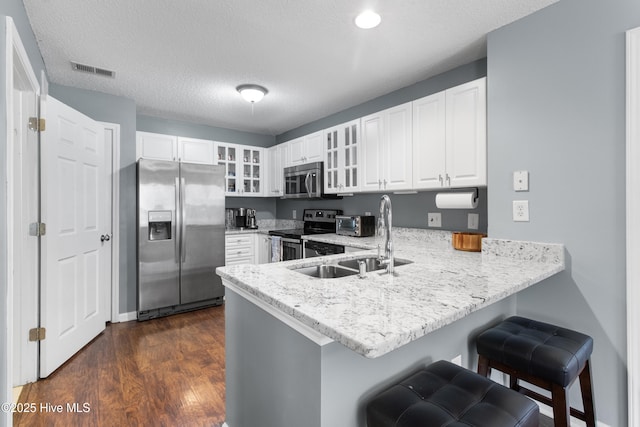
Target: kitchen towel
460,200
276,249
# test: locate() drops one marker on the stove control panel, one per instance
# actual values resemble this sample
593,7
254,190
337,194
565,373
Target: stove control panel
321,215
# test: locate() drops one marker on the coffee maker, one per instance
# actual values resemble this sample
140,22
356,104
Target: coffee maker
251,219
241,217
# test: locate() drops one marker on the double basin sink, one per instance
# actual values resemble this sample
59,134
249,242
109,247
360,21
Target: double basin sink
347,267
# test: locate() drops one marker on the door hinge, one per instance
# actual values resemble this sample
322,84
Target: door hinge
37,229
37,334
37,124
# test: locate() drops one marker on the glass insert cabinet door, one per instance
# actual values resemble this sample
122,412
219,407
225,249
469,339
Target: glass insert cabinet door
341,158
243,168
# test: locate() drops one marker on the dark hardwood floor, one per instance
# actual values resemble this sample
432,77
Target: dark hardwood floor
162,372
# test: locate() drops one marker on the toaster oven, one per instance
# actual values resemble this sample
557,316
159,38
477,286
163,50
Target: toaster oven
356,225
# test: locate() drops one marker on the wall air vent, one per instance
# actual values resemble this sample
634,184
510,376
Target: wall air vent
92,70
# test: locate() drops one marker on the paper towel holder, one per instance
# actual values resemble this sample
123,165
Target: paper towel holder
450,200
476,192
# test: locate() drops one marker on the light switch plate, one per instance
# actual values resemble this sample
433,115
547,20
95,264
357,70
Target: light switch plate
434,219
521,181
294,214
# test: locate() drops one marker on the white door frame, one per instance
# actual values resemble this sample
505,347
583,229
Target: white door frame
114,130
14,49
633,224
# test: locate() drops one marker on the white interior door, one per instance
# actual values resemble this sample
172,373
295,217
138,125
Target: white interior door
73,196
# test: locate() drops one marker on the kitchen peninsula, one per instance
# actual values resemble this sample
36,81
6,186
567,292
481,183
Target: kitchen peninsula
307,351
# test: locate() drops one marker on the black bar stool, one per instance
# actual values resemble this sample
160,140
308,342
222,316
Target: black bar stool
444,394
545,355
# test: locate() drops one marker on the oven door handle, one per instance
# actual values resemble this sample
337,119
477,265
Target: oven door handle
287,240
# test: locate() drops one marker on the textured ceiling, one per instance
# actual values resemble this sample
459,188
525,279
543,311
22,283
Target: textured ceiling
182,59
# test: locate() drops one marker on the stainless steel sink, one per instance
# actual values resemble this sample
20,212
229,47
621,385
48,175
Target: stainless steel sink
326,271
371,263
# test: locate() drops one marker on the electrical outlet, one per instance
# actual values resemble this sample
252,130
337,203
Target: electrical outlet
434,219
294,215
521,210
473,220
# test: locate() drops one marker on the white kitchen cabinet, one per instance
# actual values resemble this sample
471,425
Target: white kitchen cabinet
387,150
239,249
276,159
156,146
244,168
263,248
176,148
341,158
449,138
306,149
194,150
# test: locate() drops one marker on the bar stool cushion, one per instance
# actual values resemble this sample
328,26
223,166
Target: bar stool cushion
444,394
539,349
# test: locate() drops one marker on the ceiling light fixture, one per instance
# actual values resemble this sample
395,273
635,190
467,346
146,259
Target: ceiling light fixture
368,19
252,93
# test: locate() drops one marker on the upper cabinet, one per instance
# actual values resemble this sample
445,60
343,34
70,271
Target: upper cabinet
175,148
450,138
341,158
196,151
306,149
387,150
244,167
276,159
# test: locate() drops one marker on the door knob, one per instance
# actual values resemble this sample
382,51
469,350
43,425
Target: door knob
105,238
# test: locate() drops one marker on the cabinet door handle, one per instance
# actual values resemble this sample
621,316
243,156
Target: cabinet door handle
448,180
379,184
440,179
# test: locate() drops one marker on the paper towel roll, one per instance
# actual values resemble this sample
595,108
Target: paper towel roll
466,200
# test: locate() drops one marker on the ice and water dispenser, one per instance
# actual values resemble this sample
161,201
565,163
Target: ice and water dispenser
159,225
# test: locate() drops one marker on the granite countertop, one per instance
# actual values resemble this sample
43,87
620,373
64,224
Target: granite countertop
379,313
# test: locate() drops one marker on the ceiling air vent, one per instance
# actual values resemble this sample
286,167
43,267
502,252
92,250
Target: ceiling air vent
92,70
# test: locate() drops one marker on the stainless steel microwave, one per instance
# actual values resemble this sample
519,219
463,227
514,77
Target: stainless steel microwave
356,225
303,181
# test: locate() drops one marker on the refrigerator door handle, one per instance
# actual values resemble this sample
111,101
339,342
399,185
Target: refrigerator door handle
177,221
183,222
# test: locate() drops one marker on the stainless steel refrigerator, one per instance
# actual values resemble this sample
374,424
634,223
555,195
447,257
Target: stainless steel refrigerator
181,223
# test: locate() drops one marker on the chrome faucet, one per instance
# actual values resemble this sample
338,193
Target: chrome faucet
384,226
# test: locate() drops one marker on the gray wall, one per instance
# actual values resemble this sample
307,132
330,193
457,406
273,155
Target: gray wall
14,9
409,210
115,109
557,109
429,86
191,130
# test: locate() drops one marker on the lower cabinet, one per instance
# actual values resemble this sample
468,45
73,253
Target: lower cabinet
247,248
263,249
239,249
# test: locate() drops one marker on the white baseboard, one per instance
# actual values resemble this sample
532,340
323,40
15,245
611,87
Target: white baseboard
127,317
548,411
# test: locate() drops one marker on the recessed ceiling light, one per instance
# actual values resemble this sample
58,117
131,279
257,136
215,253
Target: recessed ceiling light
368,19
